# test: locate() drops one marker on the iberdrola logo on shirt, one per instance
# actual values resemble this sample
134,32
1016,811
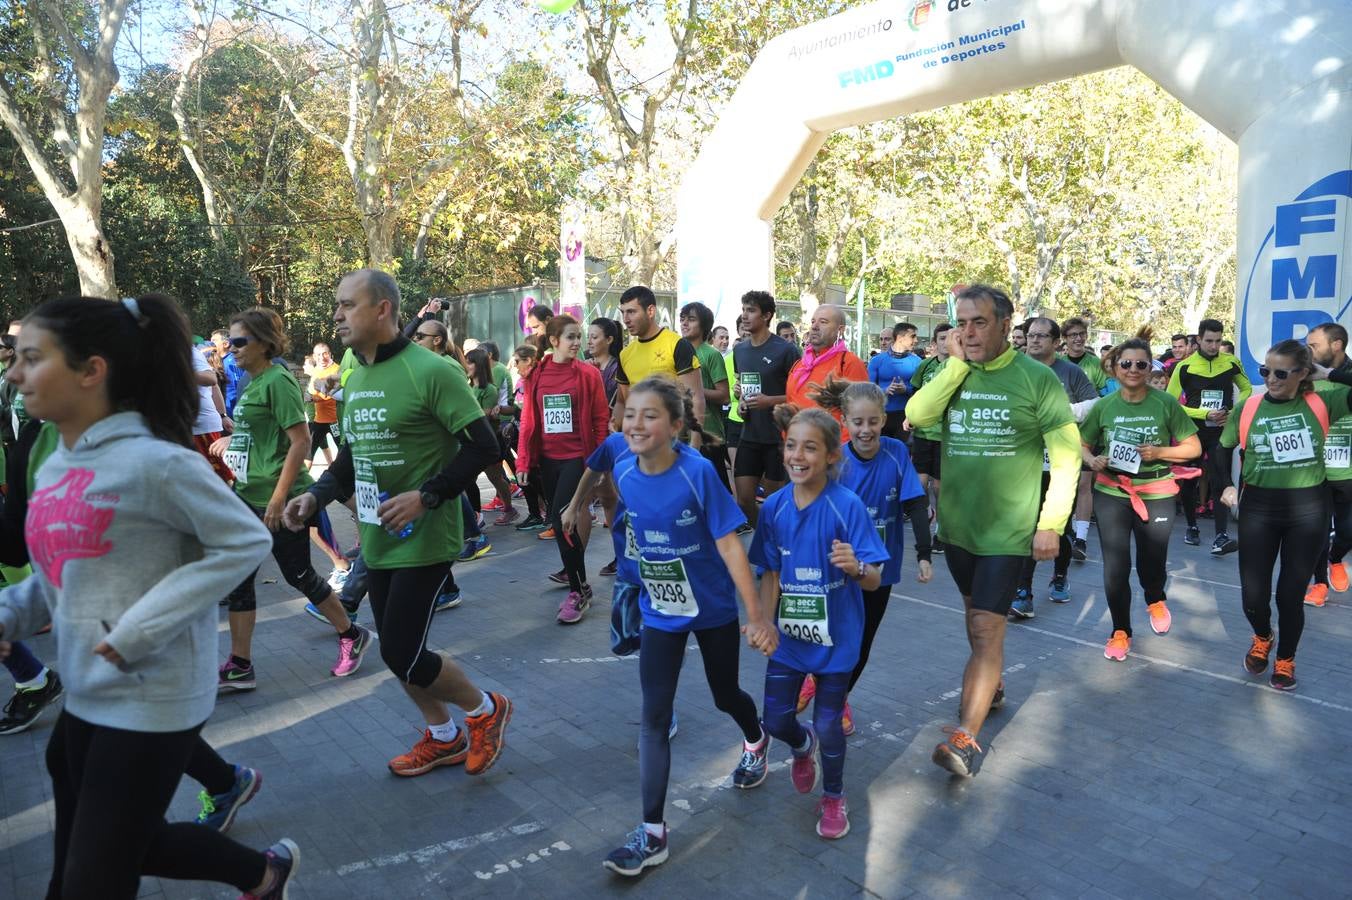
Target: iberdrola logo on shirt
61,525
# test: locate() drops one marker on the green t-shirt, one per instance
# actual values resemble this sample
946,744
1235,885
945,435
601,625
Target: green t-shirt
711,373
267,406
1286,442
44,445
993,445
1338,445
1093,367
401,417
923,376
1115,428
730,369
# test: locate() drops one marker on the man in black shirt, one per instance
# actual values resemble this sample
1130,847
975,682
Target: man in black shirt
763,362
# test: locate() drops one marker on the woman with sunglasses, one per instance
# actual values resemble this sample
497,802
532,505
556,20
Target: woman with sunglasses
1130,438
267,454
1286,499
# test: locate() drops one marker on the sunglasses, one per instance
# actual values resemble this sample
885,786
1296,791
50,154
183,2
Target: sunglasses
240,342
1140,364
1282,374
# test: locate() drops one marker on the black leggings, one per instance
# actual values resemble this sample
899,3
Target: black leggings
560,478
1062,564
111,789
875,607
1341,539
291,550
1117,525
659,668
718,456
206,767
402,603
1217,475
1291,523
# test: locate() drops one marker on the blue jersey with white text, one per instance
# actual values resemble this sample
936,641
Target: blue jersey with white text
884,483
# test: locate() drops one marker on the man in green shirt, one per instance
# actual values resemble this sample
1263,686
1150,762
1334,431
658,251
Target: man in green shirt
415,438
927,443
999,411
697,323
1076,332
1328,346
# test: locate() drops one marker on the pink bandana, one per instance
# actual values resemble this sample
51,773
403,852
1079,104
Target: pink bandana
811,360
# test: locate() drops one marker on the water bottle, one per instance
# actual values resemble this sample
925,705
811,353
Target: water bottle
402,533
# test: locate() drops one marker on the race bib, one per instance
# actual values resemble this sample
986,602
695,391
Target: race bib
368,492
1046,460
751,384
558,414
630,545
1124,452
237,456
1212,400
668,587
1292,445
803,617
1338,451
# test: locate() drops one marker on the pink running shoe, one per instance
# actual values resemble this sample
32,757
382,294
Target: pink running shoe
507,516
350,652
807,692
494,505
833,818
1160,619
1118,646
804,769
572,608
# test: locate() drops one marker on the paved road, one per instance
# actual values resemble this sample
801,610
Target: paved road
1170,775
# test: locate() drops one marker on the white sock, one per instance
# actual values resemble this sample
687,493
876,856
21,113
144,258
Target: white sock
657,830
39,682
1081,529
758,744
802,751
445,732
485,706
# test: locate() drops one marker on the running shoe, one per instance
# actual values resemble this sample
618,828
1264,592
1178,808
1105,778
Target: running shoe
475,548
572,608
448,600
531,523
488,735
1224,544
754,765
833,818
1160,618
745,528
428,753
506,517
236,678
338,578
1192,536
608,570
1317,595
998,701
807,692
1079,549
804,770
642,850
218,810
1118,646
283,861
1060,589
27,704
480,521
958,754
1283,674
517,492
1022,607
350,652
1338,577
313,612
936,545
847,719
559,577
547,534
494,505
1256,660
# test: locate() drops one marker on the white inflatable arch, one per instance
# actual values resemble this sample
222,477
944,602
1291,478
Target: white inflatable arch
1273,75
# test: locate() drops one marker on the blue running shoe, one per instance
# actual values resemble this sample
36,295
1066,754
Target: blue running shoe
1022,607
448,600
755,765
475,548
641,851
1060,590
314,613
218,811
283,861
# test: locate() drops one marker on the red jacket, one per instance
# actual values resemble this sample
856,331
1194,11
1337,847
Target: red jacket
589,404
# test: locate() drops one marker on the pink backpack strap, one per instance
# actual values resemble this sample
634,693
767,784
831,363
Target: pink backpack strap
1320,410
1246,419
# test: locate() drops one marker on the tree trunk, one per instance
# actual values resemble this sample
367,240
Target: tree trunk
92,254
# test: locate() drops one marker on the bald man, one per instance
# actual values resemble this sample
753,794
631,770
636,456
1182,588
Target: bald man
824,356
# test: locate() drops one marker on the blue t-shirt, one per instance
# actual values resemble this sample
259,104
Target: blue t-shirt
886,366
604,458
674,519
884,483
796,543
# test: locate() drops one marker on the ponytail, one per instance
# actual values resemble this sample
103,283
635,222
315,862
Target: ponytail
147,345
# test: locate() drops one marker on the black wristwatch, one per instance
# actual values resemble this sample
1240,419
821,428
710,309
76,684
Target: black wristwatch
429,499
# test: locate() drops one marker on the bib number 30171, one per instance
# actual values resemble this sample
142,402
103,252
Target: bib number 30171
669,589
803,617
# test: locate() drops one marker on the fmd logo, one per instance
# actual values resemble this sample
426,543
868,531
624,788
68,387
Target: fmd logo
919,14
1293,283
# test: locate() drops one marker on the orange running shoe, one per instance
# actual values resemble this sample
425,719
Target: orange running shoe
1256,660
1160,619
807,692
1283,674
847,719
957,754
1118,646
487,735
547,534
427,754
1338,577
1317,595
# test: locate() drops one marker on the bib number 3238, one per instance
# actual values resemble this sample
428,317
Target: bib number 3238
803,617
668,587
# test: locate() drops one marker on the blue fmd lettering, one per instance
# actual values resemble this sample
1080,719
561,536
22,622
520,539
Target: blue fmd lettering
1319,278
1285,324
882,69
1296,219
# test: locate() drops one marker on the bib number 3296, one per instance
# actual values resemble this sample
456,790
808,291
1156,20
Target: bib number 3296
803,617
669,589
368,492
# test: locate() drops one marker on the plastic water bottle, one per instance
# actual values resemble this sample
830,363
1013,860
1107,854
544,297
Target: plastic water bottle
402,533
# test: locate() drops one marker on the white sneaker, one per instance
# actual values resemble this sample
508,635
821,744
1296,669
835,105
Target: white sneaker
338,578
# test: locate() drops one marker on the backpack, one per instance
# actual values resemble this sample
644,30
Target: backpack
1312,400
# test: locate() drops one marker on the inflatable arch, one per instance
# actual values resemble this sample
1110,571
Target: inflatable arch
1273,75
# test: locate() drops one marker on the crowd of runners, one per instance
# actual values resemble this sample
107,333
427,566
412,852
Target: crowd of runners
754,490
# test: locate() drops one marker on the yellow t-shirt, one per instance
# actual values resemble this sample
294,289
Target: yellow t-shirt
665,353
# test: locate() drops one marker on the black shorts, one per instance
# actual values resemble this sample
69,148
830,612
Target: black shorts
989,580
319,436
757,460
926,454
892,426
732,433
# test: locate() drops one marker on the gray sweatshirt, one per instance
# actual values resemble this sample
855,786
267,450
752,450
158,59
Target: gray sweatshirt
133,541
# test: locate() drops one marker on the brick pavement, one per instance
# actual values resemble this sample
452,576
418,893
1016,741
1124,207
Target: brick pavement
1170,775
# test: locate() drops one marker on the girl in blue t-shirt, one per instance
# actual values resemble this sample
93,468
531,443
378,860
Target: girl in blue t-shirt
878,470
819,550
682,526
